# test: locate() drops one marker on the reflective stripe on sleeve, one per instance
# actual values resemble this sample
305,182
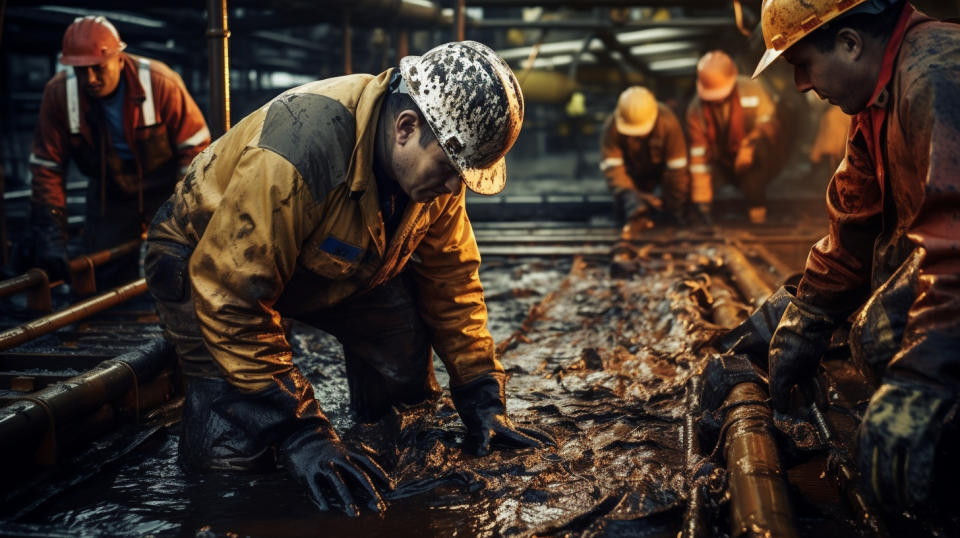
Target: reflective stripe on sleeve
749,101
149,112
46,163
73,102
676,164
699,168
765,118
698,151
607,164
195,138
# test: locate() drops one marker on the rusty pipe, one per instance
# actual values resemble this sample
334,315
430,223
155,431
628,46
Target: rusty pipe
103,256
759,505
46,324
218,53
38,278
694,521
745,276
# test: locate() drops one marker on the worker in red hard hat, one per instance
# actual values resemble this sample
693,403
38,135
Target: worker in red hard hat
734,135
129,125
644,150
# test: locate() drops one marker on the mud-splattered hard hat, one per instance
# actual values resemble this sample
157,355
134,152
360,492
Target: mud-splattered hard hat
472,101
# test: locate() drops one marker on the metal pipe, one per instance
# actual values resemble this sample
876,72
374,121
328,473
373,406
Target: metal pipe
759,505
32,423
46,324
83,279
694,521
219,58
461,20
705,23
4,258
347,43
745,276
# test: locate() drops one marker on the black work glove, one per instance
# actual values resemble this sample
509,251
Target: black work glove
752,337
628,204
482,406
801,338
897,441
288,416
702,213
50,240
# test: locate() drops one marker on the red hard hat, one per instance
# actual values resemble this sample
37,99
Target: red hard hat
89,41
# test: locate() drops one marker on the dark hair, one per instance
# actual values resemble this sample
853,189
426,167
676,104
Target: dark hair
397,102
872,24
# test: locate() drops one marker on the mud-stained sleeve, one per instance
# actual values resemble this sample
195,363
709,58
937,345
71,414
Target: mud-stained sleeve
613,164
701,175
837,273
451,296
185,124
766,126
931,340
676,177
241,264
49,151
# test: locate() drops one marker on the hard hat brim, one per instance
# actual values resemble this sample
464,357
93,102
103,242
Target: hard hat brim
490,180
83,61
628,129
716,94
765,61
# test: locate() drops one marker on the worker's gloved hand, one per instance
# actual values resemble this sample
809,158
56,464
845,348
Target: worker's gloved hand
482,406
744,158
703,213
50,240
629,204
897,441
287,416
752,337
801,338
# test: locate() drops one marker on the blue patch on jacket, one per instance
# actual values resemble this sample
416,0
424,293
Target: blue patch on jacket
338,248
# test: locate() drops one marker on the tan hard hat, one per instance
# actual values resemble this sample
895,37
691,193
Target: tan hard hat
89,41
784,22
472,101
716,76
636,112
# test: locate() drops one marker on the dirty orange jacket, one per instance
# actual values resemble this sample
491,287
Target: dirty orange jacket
283,216
162,125
901,196
752,115
642,163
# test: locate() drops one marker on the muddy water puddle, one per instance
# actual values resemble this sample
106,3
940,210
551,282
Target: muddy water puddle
599,362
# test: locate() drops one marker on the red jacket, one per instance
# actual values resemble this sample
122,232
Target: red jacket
163,127
898,190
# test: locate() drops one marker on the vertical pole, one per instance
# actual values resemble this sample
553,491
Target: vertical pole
403,44
3,221
347,43
461,19
219,57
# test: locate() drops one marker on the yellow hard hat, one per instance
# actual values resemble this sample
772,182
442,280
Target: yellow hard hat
636,112
785,22
716,76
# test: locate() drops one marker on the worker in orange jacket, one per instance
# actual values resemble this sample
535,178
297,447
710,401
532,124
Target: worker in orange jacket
340,203
892,255
644,150
734,136
130,126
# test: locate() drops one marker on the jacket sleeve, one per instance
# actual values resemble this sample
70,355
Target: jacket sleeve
837,273
49,153
185,124
613,164
766,126
701,176
932,335
239,268
676,177
451,296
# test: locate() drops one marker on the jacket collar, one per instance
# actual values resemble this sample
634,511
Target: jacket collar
909,17
360,177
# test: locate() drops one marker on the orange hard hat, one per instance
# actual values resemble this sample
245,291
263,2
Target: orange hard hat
89,41
636,112
716,76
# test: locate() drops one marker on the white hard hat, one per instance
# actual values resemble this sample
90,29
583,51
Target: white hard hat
473,103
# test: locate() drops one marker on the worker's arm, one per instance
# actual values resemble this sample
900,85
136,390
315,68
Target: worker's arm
701,175
613,164
676,177
49,153
186,127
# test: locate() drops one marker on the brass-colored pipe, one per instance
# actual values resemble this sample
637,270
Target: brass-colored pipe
46,324
347,43
219,57
759,504
745,276
30,279
103,256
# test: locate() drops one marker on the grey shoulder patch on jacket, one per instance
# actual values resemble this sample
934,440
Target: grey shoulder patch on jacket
316,134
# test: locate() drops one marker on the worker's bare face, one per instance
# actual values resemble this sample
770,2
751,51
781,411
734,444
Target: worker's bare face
100,80
423,172
835,75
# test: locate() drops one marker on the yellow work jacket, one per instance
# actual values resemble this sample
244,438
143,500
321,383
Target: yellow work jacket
283,216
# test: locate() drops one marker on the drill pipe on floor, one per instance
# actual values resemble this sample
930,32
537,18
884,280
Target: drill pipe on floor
33,423
46,324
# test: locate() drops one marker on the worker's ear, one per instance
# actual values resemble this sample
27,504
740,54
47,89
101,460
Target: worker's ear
849,43
405,126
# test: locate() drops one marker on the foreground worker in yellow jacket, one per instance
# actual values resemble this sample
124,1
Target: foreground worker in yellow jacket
734,136
893,249
340,204
644,149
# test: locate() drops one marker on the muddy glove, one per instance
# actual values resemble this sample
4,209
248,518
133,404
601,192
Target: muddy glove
628,204
897,441
702,213
752,337
744,158
801,338
482,406
50,240
287,416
